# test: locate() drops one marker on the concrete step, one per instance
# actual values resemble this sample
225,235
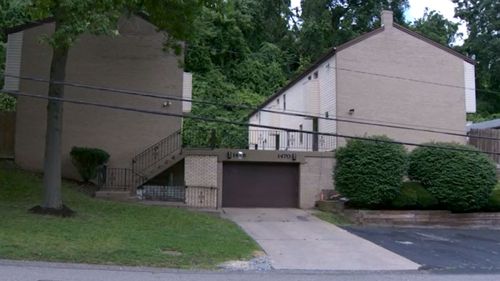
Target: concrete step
114,195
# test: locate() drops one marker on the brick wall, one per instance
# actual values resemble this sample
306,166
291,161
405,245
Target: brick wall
201,181
315,175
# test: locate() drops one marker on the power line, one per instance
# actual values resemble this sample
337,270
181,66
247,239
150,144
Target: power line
241,124
405,79
376,74
380,122
244,107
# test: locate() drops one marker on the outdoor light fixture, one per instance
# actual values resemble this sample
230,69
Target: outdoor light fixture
241,155
166,104
351,111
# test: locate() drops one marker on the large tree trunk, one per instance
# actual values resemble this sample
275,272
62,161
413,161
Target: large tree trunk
53,139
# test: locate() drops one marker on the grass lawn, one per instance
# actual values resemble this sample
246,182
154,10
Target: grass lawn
333,218
105,232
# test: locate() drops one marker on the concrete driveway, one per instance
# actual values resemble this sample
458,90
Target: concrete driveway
294,239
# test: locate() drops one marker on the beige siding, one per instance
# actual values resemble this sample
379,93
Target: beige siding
327,104
13,61
133,60
395,53
312,96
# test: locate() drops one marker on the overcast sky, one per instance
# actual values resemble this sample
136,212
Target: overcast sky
417,8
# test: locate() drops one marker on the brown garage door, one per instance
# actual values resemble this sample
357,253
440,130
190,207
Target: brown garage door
272,185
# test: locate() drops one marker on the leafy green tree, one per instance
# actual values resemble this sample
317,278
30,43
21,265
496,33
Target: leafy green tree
483,24
240,55
328,23
73,18
436,27
214,86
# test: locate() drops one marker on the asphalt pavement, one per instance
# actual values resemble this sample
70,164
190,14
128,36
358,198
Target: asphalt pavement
458,250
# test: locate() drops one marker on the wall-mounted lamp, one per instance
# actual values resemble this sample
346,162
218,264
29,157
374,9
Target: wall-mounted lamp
351,111
166,104
241,155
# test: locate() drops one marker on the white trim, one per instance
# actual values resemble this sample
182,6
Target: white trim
470,88
187,91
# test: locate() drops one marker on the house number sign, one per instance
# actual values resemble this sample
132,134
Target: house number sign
287,156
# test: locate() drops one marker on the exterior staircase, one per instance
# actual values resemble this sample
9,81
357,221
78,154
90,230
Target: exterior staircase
121,183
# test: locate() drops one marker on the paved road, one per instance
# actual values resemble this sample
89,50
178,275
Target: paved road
294,239
20,271
449,249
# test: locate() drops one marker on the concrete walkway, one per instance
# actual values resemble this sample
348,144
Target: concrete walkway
294,239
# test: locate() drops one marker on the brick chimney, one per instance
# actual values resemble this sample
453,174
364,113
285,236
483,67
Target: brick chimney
387,18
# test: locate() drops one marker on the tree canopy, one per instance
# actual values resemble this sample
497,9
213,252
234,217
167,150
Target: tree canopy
483,43
436,27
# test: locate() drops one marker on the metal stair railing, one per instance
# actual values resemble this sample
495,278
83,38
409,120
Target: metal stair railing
119,179
157,152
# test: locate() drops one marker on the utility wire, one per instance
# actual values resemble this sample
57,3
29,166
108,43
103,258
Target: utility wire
245,107
241,124
375,74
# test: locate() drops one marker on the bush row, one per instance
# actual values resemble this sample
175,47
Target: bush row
447,175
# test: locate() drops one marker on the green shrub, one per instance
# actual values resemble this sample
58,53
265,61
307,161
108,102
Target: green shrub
494,200
414,196
7,103
370,173
87,160
462,181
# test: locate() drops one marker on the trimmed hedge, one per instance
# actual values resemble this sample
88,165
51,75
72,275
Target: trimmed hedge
494,201
87,160
370,173
462,181
414,196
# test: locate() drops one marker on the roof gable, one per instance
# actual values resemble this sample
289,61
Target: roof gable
433,43
330,53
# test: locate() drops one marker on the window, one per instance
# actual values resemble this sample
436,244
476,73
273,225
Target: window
301,136
315,75
284,102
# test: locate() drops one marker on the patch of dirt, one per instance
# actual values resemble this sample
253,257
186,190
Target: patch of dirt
87,188
171,252
64,212
260,262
